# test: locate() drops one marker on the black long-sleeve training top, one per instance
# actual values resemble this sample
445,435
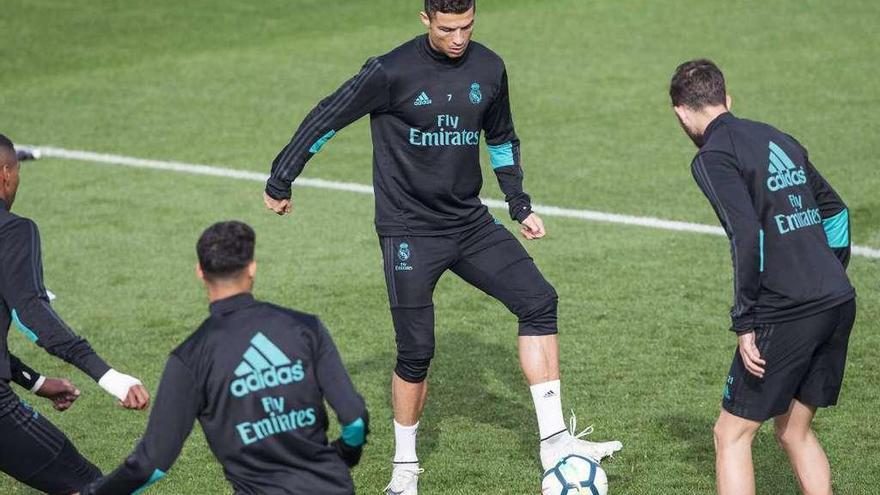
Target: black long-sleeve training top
22,374
26,303
428,114
255,375
789,230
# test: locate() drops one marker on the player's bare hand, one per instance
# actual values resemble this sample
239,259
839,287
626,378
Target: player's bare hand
60,391
533,227
750,354
138,398
279,206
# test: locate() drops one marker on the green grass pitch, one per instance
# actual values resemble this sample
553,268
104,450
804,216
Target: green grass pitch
643,318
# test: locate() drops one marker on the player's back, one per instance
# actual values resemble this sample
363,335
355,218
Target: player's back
801,219
262,407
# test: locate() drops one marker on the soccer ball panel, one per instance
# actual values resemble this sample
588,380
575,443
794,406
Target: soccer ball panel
575,475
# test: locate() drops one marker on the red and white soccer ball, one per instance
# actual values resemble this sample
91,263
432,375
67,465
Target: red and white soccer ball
575,475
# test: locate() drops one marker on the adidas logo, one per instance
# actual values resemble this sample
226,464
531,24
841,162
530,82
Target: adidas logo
422,100
549,394
783,172
264,366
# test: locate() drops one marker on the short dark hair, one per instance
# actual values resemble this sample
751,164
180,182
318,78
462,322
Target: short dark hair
6,143
697,84
225,249
448,6
6,146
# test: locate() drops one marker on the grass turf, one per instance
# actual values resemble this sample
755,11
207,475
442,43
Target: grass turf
642,312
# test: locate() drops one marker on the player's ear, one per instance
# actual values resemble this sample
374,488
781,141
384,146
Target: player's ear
681,113
199,272
729,102
426,19
252,268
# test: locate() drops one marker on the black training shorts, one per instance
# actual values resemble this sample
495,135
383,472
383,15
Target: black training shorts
36,453
805,361
488,257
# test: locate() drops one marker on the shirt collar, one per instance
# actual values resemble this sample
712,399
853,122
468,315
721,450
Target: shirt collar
724,117
441,58
232,303
3,205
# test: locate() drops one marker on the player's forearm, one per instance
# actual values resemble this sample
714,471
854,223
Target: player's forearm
747,268
350,445
360,95
24,375
135,474
291,161
39,322
519,204
505,160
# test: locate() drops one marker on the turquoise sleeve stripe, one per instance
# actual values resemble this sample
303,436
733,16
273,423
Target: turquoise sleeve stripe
30,334
501,155
837,229
157,475
321,142
354,434
761,244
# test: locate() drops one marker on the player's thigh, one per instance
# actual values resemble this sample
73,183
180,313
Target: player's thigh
494,261
824,379
38,454
413,265
787,353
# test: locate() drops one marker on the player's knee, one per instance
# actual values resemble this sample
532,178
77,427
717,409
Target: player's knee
789,437
727,432
137,466
539,319
412,369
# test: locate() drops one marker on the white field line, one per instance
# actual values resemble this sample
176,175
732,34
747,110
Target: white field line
550,211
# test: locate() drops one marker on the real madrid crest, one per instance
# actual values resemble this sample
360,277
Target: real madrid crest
403,251
476,96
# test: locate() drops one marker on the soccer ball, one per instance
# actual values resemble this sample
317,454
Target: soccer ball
575,475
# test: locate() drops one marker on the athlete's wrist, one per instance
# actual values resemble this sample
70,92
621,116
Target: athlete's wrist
521,212
38,384
117,384
278,189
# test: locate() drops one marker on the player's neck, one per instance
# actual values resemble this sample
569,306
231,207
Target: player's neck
707,115
224,290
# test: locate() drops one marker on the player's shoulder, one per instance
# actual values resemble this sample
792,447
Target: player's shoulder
747,129
759,135
306,321
401,55
14,225
195,340
485,53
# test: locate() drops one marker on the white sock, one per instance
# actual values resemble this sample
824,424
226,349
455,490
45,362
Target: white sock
548,408
405,444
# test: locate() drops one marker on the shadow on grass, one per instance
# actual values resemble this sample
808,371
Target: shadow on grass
772,470
459,387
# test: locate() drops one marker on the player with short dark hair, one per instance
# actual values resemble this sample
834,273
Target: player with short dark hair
431,101
32,449
255,375
793,305
449,7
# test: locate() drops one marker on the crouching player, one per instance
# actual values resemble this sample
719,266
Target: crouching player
32,449
794,306
256,376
